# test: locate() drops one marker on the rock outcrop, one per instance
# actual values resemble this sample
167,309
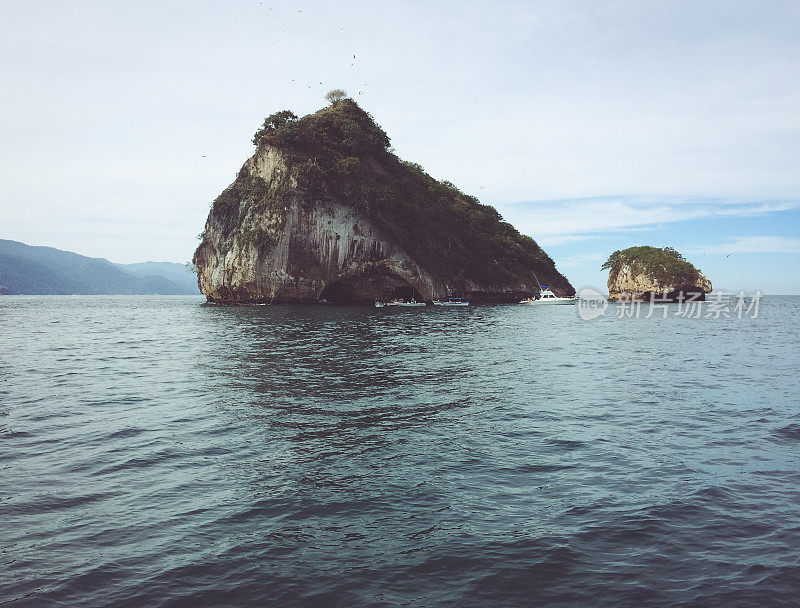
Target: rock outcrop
324,210
639,272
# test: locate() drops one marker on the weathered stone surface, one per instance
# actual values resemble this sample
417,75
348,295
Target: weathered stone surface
632,278
317,244
272,237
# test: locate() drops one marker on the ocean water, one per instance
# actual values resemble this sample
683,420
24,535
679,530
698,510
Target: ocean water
155,451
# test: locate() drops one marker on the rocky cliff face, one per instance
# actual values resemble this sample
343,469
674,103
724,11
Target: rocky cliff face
638,272
313,215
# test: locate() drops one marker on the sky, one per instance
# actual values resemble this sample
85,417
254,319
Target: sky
591,126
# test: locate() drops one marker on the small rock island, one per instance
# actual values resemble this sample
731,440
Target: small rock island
324,210
642,272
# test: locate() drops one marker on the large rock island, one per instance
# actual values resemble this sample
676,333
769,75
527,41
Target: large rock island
325,210
643,272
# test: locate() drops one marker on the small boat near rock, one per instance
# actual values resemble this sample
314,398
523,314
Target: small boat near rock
410,304
451,302
546,296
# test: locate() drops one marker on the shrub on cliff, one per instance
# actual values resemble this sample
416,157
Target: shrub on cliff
335,95
665,265
278,127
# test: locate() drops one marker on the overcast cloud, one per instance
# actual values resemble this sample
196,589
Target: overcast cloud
122,121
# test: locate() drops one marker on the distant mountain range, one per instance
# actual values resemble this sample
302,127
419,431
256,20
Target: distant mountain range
45,270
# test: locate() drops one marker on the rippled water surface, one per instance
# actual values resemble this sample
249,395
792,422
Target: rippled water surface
160,452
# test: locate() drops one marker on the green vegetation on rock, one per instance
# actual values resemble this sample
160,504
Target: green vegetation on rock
340,154
665,265
336,95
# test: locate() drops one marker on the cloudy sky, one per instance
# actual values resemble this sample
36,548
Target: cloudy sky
591,126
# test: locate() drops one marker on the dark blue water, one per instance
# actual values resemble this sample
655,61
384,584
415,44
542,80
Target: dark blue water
157,452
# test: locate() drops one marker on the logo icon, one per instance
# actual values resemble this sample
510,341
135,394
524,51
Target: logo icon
591,304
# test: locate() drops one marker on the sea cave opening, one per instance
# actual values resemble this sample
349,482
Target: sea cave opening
368,287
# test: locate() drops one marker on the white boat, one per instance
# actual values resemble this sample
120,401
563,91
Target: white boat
411,303
451,302
546,296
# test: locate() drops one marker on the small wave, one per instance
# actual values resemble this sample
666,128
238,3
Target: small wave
125,433
567,444
790,432
541,468
50,503
11,434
